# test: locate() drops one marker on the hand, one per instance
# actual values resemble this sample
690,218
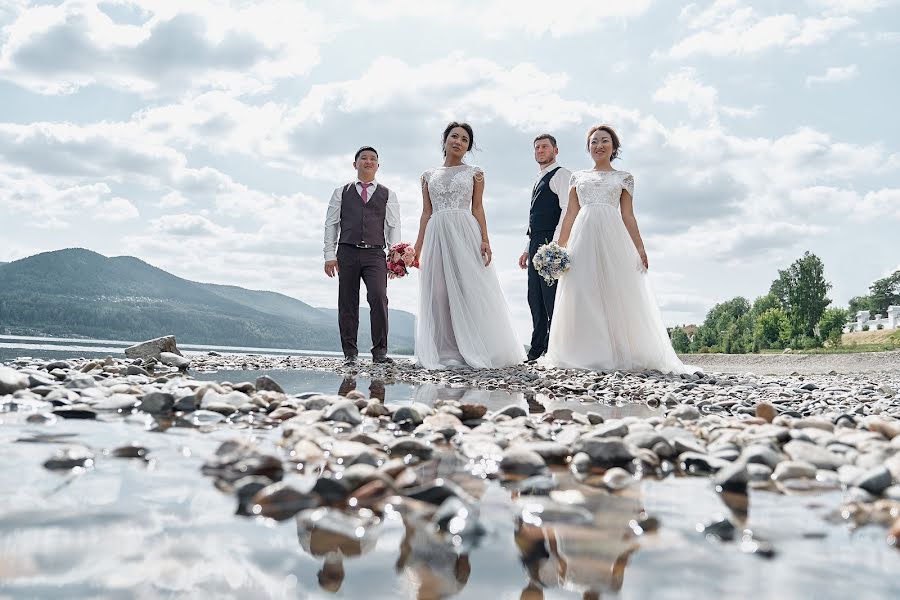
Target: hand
331,268
523,261
416,263
643,256
486,252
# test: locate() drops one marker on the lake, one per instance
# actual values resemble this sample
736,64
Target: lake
159,528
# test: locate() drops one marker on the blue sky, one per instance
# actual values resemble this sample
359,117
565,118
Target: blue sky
206,137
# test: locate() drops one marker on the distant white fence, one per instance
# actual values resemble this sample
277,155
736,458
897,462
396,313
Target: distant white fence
864,318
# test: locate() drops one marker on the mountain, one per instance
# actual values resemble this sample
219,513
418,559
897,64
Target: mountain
77,292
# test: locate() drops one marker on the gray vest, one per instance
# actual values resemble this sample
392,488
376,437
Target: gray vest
363,223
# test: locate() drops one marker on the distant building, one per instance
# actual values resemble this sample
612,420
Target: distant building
864,318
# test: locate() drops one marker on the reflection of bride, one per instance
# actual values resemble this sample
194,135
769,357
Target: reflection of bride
430,393
579,555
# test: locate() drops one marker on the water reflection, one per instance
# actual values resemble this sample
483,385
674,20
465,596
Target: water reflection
377,388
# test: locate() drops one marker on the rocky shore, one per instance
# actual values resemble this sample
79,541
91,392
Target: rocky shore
787,434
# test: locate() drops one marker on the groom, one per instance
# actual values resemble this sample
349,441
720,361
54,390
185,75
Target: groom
363,217
549,200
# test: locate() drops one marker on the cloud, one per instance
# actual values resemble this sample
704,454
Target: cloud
178,47
726,28
504,18
684,87
833,75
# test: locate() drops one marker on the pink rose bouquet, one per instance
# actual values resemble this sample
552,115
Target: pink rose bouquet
399,259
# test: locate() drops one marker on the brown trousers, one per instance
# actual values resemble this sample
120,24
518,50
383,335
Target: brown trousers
370,266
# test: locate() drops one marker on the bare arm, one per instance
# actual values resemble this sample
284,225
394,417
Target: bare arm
571,213
423,220
626,206
478,213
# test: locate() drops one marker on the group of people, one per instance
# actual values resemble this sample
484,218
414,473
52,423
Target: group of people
601,315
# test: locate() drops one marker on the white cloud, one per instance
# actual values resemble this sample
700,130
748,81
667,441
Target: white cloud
726,28
180,46
853,6
117,209
501,18
833,75
684,87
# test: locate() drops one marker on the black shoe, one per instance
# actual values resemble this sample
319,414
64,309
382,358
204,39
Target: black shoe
383,359
350,360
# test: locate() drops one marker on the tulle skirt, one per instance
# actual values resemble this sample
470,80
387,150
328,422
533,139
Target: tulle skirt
606,316
463,315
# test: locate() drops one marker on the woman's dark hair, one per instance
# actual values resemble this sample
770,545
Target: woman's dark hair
450,127
612,135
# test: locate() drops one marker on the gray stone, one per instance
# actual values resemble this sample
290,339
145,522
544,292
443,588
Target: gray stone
11,381
174,360
344,411
157,402
760,454
794,469
686,413
80,382
875,481
266,383
811,453
605,452
153,348
609,429
617,478
410,445
518,460
512,411
551,452
732,478
136,370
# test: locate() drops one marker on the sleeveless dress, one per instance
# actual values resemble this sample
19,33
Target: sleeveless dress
463,315
606,316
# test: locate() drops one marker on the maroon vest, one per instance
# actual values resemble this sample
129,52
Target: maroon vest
363,223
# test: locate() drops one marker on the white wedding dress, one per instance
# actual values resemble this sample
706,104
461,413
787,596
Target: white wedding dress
463,315
606,316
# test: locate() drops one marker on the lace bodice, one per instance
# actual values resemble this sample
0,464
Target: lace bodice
601,187
450,188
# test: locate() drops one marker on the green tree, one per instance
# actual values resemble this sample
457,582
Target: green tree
764,303
772,329
831,324
680,341
884,293
802,290
858,303
727,328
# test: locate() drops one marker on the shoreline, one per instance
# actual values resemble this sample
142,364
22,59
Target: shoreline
787,434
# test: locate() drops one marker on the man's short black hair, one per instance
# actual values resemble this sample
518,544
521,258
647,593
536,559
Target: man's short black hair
363,149
545,136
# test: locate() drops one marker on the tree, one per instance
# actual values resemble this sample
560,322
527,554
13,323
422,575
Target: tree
884,293
680,341
772,329
802,290
832,323
727,328
858,303
764,303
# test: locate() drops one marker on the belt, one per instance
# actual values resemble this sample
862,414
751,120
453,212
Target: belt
368,246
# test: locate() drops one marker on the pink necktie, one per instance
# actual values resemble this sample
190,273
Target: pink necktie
365,194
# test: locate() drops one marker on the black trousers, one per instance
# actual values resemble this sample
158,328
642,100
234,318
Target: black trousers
370,266
540,298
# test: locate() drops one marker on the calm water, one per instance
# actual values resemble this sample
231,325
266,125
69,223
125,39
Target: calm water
160,529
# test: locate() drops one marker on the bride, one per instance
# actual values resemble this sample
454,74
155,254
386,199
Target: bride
463,316
606,317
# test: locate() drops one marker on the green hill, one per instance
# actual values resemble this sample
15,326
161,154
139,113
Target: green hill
77,292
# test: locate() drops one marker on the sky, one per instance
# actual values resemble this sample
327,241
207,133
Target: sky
206,137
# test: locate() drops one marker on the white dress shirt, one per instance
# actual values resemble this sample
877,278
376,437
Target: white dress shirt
333,219
559,185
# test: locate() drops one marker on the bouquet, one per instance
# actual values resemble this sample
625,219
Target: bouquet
551,261
399,259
